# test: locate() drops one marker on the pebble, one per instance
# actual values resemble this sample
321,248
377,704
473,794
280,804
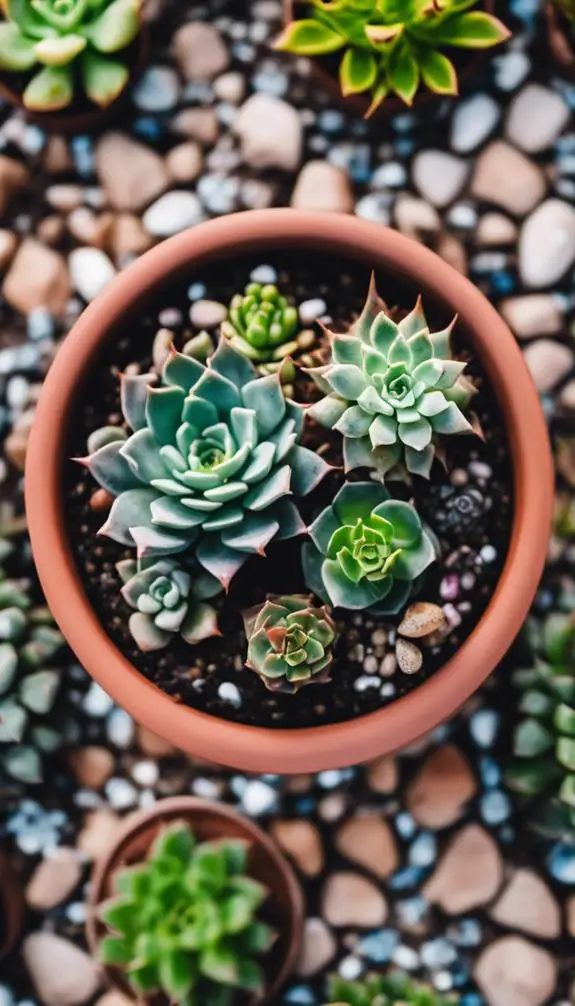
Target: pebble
505,177
120,728
38,277
54,879
348,899
154,746
547,244
199,124
496,229
528,905
311,310
511,69
369,841
185,161
549,362
145,772
322,186
172,213
483,727
90,228
200,51
301,840
318,948
230,87
161,347
62,974
561,863
98,833
90,270
441,789
270,131
157,90
409,656
258,798
532,314
473,120
14,177
383,775
515,972
468,875
92,766
536,117
229,692
414,216
131,174
207,313
439,176
120,793
421,619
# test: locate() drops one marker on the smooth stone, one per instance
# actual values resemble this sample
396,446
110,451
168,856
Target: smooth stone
311,310
14,177
527,904
90,228
532,314
495,229
92,766
56,156
322,186
98,833
302,841
172,213
421,619
62,974
38,277
114,998
90,270
514,972
157,90
50,230
153,745
414,216
207,313
439,176
185,161
54,879
473,120
439,792
128,237
199,124
452,250
270,131
200,51
131,174
507,178
65,197
547,244
409,656
318,948
468,875
535,118
548,362
230,87
8,245
258,798
511,69
348,899
567,396
383,775
369,841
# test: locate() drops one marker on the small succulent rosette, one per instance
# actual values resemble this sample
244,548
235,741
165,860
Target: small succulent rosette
367,550
393,989
393,390
68,44
290,642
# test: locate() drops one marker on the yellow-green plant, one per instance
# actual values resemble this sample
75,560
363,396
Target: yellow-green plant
394,989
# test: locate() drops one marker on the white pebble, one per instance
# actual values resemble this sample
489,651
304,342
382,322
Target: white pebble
90,271
172,213
366,681
145,772
264,274
207,313
258,798
350,968
311,310
488,553
97,702
229,692
120,727
406,957
120,793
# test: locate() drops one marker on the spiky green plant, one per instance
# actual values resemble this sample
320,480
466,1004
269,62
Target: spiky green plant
394,989
186,921
392,46
290,642
168,600
367,550
392,390
29,641
213,459
63,42
543,768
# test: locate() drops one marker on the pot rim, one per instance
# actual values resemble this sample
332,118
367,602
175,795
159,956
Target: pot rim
187,808
314,748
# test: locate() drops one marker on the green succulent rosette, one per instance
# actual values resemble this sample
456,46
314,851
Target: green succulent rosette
367,550
185,923
392,390
169,601
290,642
53,38
212,463
261,324
394,989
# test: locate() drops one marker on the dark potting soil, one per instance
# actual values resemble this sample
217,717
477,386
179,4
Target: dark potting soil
468,505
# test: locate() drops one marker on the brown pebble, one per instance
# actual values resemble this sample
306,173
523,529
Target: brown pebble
101,500
420,619
409,656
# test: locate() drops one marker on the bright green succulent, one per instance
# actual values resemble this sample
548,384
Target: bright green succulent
392,389
392,46
29,641
394,989
261,324
213,460
543,768
63,42
290,642
367,550
168,600
185,922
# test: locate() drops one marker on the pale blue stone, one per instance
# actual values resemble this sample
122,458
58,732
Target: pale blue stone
423,850
411,911
83,154
392,175
270,80
379,946
196,291
437,953
157,90
6,997
561,863
350,968
489,771
120,728
330,120
300,995
495,807
466,933
406,957
405,824
264,274
511,70
258,798
483,727
40,324
408,877
34,139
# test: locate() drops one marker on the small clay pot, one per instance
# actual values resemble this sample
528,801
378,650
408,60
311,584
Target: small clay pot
82,116
11,906
561,38
283,910
346,238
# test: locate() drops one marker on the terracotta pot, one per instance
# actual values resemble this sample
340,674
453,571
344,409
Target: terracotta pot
11,906
359,103
561,38
82,116
316,748
284,909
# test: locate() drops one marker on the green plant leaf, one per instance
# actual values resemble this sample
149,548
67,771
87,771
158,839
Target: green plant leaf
309,38
116,27
472,30
175,970
104,79
16,51
438,73
357,71
51,90
114,951
403,73
59,51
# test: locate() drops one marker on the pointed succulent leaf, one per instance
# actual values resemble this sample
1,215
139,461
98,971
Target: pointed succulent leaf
16,50
116,27
309,38
50,90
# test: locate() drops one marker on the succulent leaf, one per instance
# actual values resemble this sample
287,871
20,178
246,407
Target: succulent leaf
393,989
104,79
290,642
16,51
263,327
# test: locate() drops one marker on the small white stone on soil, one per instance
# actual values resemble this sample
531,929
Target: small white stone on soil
258,798
420,619
97,702
120,728
547,244
230,87
311,310
157,90
409,656
120,793
532,314
514,972
536,117
495,229
270,131
473,120
507,178
207,313
414,216
145,772
439,176
229,692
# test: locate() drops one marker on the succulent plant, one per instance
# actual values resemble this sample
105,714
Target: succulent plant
168,600
543,768
290,642
367,550
261,324
394,989
214,456
60,40
392,390
392,46
29,641
185,923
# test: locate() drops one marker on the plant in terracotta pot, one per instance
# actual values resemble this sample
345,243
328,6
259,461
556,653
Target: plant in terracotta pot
62,58
290,578
378,49
393,989
195,904
11,906
560,20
